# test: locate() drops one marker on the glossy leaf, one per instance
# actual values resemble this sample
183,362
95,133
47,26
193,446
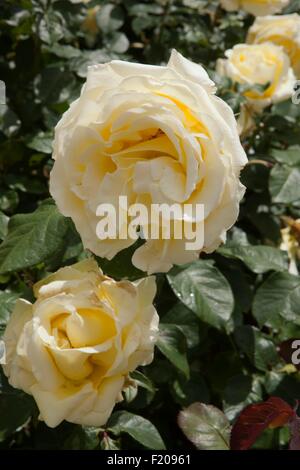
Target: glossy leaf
205,426
139,428
278,300
259,259
254,419
172,343
34,238
204,290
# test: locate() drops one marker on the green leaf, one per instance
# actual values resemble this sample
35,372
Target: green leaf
290,156
64,51
9,121
121,267
83,438
172,344
34,238
284,184
258,259
283,386
7,301
9,201
240,283
277,300
140,9
118,42
110,18
142,381
15,408
73,249
260,350
204,290
145,392
186,392
139,428
241,390
187,322
51,27
130,392
55,85
205,426
237,237
3,225
41,142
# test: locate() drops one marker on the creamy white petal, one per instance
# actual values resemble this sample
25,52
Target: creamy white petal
74,346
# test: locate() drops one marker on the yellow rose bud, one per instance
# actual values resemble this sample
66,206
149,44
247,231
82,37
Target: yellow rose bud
73,348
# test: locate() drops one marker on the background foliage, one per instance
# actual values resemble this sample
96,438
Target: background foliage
224,317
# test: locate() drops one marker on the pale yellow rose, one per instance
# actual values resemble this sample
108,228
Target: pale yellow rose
72,349
255,7
282,30
265,65
156,135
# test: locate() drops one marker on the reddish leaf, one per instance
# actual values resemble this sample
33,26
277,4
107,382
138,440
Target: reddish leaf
254,419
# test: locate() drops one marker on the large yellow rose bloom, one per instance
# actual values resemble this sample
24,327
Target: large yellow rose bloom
73,348
157,135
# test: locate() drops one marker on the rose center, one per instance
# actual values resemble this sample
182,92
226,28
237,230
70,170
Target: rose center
88,327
